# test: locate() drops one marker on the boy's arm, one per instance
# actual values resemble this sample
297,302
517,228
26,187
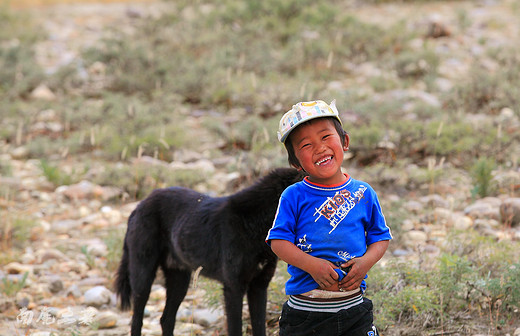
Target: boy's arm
321,270
361,265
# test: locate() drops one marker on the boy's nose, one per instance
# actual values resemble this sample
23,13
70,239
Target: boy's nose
321,148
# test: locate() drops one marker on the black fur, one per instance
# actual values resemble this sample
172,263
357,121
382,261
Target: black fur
180,229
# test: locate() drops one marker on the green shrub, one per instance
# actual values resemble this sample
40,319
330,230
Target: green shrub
481,174
488,92
11,287
15,230
138,180
5,168
114,242
89,258
473,274
19,73
413,64
54,174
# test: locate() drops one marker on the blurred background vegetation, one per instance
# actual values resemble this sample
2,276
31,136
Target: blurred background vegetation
214,77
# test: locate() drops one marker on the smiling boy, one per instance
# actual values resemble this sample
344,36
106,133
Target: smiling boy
325,225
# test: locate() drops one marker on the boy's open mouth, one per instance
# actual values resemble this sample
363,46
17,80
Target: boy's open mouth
324,160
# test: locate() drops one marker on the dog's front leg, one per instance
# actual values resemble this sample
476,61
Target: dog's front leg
233,297
257,301
257,298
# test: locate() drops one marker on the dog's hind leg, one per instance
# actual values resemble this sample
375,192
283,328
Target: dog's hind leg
141,286
177,283
257,299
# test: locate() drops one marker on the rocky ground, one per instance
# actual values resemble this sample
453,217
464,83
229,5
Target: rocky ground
68,289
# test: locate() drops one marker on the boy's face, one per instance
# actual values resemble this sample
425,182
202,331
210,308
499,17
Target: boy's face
318,148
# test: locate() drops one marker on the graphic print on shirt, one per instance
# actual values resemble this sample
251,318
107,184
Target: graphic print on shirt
336,208
344,255
303,245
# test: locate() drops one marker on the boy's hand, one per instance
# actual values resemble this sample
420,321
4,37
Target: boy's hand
322,271
359,268
361,265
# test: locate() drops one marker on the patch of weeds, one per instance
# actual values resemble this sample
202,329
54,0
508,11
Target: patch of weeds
139,179
488,92
114,242
5,168
15,230
251,131
202,68
395,215
55,175
400,295
433,293
251,165
19,73
463,19
11,287
482,175
213,289
416,64
131,66
18,25
450,138
366,137
383,83
90,259
498,297
122,128
276,290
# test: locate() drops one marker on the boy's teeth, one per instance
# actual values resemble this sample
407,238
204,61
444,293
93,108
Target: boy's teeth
323,160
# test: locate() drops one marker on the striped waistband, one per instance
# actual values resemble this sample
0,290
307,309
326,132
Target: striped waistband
327,305
325,294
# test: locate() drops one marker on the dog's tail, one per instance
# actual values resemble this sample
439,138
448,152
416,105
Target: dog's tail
122,283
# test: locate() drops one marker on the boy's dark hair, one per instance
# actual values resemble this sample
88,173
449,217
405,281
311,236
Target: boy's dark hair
291,156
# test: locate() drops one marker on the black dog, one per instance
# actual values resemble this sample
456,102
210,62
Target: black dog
181,230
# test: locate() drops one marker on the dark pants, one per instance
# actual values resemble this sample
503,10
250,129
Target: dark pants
348,322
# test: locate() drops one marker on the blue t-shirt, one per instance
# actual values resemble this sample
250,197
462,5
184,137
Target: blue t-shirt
335,223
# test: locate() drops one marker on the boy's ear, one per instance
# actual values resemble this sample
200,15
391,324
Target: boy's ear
347,142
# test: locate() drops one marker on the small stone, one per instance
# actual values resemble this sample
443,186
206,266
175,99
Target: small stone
106,320
207,317
23,299
73,291
55,284
42,92
97,296
416,235
462,222
19,153
17,268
